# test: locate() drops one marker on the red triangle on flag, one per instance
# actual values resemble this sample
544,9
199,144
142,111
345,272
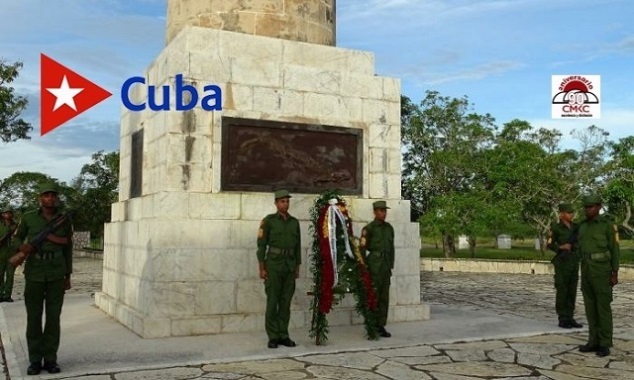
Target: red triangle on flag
64,94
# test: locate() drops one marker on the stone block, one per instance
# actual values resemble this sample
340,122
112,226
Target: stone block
393,186
407,313
208,67
215,297
407,289
321,106
255,206
256,72
196,326
328,58
244,234
156,327
172,299
378,186
311,80
351,111
250,296
378,160
361,86
171,204
214,206
242,323
238,97
391,89
278,101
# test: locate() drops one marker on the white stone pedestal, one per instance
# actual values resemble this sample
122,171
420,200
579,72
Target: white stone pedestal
181,258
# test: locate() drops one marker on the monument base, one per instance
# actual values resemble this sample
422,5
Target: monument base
180,252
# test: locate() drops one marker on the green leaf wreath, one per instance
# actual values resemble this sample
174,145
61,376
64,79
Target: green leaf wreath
337,267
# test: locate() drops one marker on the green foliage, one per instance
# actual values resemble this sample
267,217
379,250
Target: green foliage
350,276
12,126
94,190
464,176
20,190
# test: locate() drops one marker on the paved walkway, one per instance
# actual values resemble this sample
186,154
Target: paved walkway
467,302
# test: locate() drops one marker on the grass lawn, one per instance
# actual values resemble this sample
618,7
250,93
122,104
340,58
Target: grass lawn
520,251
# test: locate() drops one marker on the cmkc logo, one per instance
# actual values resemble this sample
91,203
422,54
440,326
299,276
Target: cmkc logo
576,96
66,94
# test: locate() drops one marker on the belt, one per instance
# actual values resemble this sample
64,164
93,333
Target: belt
378,253
599,256
46,255
280,251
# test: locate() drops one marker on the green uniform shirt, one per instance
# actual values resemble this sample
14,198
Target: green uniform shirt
5,230
559,235
276,232
599,236
50,261
378,237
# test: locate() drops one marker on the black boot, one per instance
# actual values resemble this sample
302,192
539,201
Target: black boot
603,351
52,367
588,348
383,332
575,324
34,369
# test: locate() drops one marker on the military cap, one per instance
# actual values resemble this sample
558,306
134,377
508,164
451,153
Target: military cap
282,194
566,207
48,188
591,200
6,209
379,204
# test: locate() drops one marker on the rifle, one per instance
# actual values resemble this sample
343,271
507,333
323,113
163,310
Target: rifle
7,235
17,259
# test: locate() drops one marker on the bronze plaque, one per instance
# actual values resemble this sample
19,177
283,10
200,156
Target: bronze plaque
303,158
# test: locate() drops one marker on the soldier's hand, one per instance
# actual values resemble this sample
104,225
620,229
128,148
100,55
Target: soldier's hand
614,278
263,274
26,248
67,283
297,272
565,247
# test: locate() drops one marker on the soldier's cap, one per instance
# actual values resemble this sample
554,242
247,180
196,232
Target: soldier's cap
592,199
566,207
6,209
48,188
379,205
282,194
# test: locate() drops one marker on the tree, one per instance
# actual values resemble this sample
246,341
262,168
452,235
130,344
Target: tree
94,191
619,190
20,190
442,142
12,126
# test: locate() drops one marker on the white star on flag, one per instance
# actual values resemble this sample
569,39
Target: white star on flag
65,94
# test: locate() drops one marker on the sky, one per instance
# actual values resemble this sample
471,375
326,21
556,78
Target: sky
501,54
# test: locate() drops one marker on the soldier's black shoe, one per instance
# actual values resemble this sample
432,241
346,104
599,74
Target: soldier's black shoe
603,351
588,348
383,332
8,299
272,343
52,367
565,324
575,324
287,342
34,369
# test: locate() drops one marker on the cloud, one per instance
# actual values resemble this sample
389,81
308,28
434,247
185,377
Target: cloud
617,121
424,77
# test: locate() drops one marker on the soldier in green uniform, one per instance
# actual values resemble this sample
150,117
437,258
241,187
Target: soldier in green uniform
598,245
377,246
279,258
7,227
47,272
566,264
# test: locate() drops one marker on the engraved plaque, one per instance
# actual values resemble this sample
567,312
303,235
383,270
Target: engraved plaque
304,158
136,164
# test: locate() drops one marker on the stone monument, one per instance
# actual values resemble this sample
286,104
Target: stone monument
298,113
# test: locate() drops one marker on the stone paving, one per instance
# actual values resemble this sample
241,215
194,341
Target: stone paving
523,358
